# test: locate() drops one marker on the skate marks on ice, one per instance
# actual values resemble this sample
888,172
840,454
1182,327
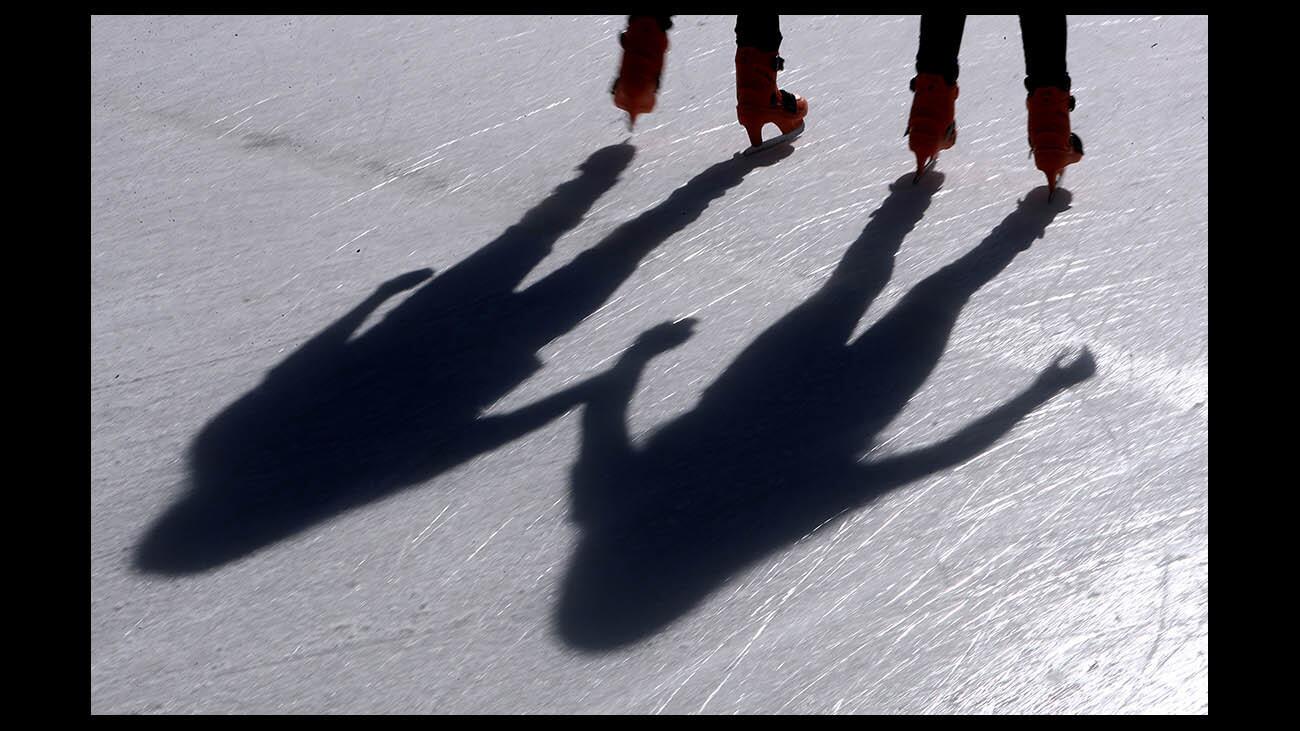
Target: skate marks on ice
771,452
346,420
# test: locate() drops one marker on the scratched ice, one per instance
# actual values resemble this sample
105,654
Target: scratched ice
419,385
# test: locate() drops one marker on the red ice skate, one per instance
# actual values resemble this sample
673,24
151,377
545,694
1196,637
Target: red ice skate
644,45
760,102
931,125
1053,145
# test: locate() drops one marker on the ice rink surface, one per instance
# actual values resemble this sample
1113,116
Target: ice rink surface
848,479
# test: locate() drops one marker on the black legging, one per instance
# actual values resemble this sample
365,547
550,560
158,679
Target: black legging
1043,37
760,30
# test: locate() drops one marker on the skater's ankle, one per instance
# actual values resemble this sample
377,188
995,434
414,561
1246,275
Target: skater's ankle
1061,83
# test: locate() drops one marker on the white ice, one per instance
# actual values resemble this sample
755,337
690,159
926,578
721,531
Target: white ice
255,179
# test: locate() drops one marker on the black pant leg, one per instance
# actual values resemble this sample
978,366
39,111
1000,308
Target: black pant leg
665,21
1044,40
940,43
759,30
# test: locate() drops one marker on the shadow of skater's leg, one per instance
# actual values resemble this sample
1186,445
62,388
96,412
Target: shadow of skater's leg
894,357
868,264
557,303
497,268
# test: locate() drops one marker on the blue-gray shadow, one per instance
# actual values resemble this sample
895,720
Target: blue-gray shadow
772,450
347,420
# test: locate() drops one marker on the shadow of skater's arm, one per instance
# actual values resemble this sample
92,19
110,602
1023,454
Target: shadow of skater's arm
336,335
501,429
981,434
606,451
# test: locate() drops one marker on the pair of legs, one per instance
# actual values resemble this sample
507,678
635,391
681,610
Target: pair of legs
757,30
1043,37
758,99
932,125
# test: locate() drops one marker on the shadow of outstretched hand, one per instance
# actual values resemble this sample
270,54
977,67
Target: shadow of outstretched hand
1061,374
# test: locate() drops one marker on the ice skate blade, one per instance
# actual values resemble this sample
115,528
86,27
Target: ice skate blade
925,169
1054,183
769,144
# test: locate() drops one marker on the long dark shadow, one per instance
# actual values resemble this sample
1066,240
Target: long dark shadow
347,420
773,449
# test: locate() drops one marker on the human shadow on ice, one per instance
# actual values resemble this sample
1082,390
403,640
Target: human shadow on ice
347,420
772,451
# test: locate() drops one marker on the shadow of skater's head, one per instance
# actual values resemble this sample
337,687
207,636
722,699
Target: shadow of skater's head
619,591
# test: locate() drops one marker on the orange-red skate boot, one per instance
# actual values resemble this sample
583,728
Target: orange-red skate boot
760,102
932,124
644,45
1053,145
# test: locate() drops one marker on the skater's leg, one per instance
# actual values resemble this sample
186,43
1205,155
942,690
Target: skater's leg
1044,39
940,44
759,30
644,42
1049,102
758,99
665,22
932,121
